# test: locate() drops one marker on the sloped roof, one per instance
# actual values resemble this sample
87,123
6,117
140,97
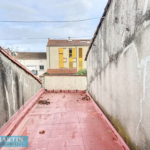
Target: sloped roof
83,42
30,55
61,71
19,64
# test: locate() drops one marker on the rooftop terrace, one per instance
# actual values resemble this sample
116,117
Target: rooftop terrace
69,123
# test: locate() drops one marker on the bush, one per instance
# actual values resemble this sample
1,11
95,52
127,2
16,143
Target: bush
82,72
46,73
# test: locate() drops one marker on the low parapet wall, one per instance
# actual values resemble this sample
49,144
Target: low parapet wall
70,82
17,86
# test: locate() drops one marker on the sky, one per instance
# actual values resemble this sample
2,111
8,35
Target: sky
46,10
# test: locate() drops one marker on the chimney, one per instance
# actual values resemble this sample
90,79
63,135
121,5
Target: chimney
69,40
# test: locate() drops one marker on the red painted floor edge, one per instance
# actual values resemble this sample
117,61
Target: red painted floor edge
124,145
21,113
65,91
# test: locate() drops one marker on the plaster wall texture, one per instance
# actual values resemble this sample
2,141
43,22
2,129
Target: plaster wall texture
16,88
53,56
65,82
35,65
118,70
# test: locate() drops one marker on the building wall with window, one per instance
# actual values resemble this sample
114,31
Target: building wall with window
35,62
69,55
37,67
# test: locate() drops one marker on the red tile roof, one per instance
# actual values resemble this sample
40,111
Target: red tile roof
30,55
68,43
61,71
18,64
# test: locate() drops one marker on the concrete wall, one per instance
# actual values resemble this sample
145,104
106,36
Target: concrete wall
53,56
65,82
118,69
16,88
35,64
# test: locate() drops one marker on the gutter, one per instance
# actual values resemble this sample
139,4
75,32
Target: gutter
67,45
98,27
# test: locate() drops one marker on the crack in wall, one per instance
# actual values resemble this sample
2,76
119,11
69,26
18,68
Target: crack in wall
129,40
140,65
143,65
141,28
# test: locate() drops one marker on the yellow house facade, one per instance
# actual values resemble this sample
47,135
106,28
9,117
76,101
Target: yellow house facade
67,54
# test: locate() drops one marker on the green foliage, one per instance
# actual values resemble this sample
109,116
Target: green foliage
82,72
46,73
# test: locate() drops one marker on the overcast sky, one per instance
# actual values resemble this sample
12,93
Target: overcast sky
46,10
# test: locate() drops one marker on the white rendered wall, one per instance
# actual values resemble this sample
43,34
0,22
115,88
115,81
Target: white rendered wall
35,64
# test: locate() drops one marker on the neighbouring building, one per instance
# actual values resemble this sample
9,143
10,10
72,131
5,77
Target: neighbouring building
66,56
36,62
10,52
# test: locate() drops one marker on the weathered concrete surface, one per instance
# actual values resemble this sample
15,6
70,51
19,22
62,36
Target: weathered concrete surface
118,67
16,88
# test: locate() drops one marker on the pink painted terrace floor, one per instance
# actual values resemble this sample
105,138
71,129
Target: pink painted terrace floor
69,124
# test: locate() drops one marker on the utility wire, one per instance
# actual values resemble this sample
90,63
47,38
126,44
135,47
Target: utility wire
41,38
50,21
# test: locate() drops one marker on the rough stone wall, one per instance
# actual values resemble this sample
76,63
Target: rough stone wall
16,88
118,67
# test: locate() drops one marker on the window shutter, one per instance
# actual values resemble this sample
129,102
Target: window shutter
61,64
80,59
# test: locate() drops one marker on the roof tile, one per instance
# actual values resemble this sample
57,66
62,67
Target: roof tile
30,55
83,42
61,71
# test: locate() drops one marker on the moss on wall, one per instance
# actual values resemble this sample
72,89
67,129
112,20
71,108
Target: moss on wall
119,127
